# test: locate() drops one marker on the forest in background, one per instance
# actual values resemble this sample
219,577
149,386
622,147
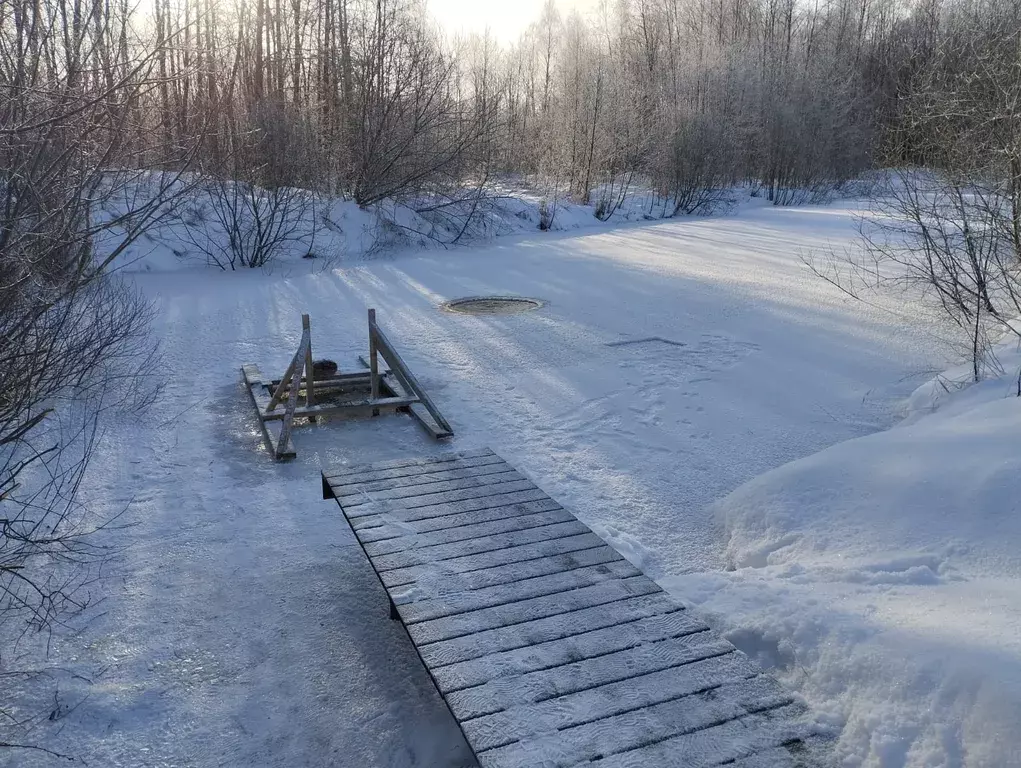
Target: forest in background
368,100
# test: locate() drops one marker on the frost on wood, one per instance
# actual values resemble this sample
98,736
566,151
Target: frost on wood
536,686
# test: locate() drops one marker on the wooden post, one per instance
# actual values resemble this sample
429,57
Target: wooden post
406,377
278,394
373,361
306,329
292,399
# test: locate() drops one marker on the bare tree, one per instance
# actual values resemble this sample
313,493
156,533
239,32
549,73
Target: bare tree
409,131
953,226
685,96
942,235
63,367
73,341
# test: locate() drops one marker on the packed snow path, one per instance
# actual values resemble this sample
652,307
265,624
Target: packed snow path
241,627
549,647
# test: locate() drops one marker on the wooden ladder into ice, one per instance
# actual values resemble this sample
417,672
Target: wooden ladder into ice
376,391
548,647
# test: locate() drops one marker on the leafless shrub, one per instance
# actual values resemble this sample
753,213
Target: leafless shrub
458,214
258,196
946,235
249,226
697,171
612,194
940,238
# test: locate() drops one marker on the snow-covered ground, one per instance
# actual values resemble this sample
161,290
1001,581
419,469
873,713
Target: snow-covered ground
199,221
243,627
882,578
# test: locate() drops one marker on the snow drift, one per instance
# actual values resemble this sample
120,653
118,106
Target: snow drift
230,225
881,578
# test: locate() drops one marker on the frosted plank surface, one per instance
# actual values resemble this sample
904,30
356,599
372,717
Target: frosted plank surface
549,647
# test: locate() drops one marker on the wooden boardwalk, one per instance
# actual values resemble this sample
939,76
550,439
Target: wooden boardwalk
549,648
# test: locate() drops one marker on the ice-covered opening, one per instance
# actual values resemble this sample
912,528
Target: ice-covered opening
492,305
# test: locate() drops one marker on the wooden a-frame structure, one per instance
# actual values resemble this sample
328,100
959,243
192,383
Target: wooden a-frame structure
300,394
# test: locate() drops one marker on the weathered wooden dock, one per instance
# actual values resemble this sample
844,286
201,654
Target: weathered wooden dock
549,648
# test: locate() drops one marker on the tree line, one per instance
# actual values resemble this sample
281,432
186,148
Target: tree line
368,100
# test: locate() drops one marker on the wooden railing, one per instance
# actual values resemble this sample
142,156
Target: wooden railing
291,380
393,390
380,345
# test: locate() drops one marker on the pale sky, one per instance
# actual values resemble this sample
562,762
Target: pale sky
506,19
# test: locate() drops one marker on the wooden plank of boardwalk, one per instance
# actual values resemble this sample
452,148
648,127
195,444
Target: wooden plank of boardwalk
548,647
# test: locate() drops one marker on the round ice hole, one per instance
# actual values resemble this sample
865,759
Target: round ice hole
492,305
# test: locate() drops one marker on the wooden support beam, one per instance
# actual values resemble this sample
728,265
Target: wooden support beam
278,394
404,375
251,374
255,384
292,397
337,380
388,387
418,412
335,409
310,385
325,388
373,361
296,362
